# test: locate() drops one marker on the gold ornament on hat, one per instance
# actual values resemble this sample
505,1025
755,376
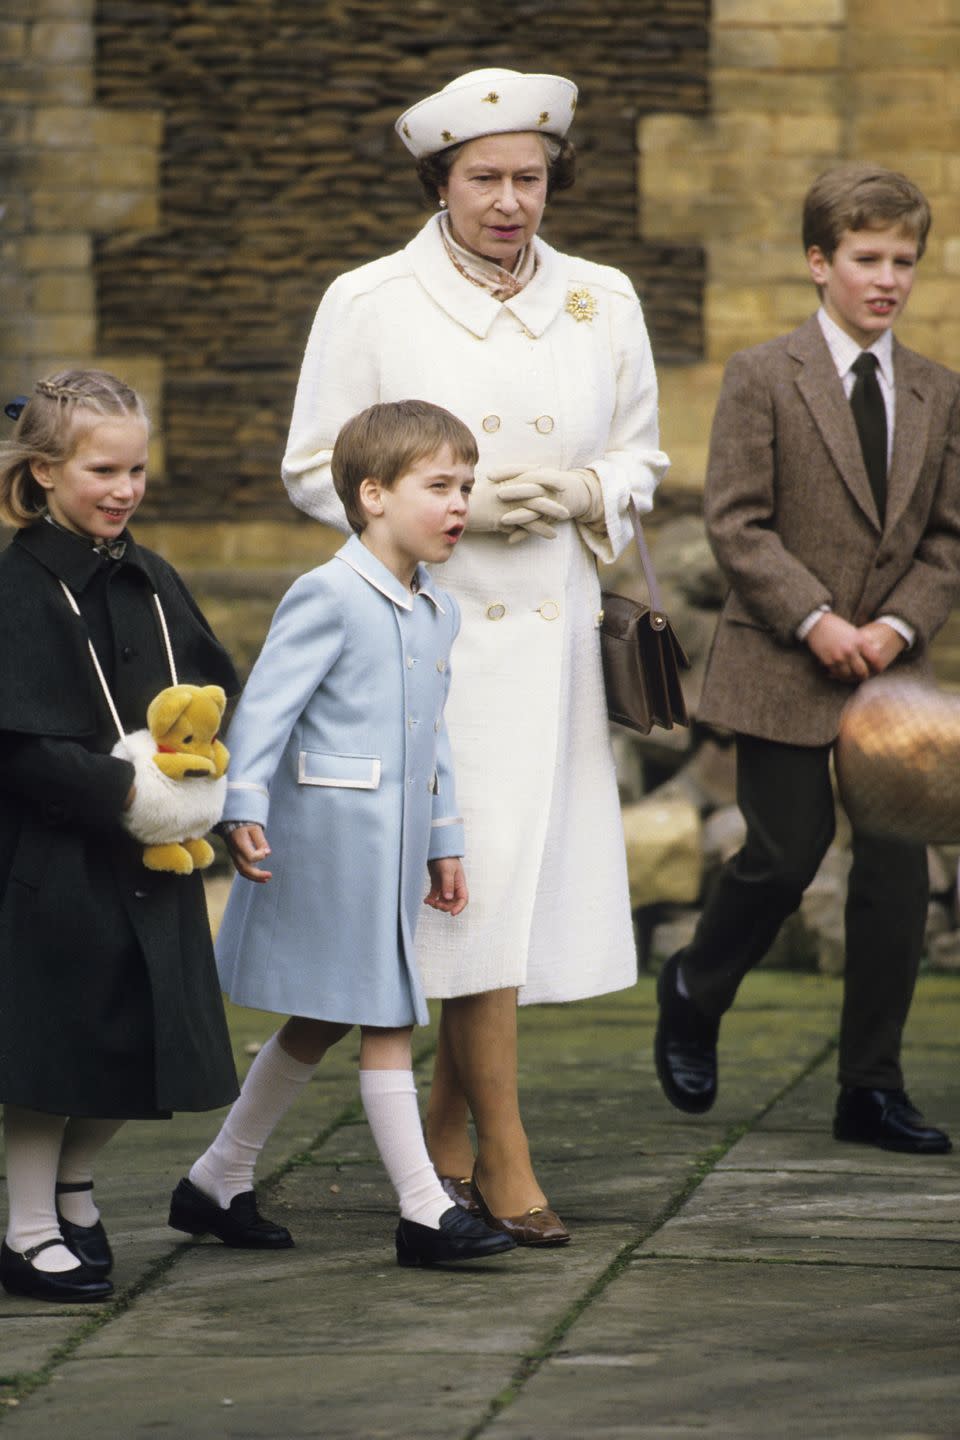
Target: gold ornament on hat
446,137
544,117
581,304
492,99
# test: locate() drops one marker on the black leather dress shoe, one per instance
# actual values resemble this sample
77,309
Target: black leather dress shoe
19,1277
886,1118
461,1237
685,1048
241,1226
88,1242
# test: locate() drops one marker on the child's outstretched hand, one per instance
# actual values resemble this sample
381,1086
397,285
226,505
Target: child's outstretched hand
448,885
248,844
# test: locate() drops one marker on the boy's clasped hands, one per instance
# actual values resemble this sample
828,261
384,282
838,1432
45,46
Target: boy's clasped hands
853,653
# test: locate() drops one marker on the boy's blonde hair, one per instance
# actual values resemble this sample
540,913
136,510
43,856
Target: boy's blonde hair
862,197
48,429
384,441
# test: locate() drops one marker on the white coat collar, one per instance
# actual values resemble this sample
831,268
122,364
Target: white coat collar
535,307
355,554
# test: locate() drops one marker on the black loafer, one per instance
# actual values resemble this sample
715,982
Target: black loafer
66,1287
886,1118
461,1237
88,1242
685,1048
241,1226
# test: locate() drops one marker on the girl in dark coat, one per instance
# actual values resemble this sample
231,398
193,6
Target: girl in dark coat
109,1001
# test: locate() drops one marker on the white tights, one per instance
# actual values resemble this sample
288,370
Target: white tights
40,1150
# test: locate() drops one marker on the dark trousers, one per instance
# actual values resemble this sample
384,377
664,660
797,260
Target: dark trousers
786,798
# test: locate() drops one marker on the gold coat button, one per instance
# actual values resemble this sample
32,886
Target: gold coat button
491,423
549,610
544,424
496,612
441,666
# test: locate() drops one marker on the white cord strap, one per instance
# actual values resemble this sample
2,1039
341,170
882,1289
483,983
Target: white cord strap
96,663
166,639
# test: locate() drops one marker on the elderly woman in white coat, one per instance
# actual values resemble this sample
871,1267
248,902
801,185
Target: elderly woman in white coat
546,358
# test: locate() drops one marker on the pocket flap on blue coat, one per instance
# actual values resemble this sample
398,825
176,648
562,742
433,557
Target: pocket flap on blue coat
346,772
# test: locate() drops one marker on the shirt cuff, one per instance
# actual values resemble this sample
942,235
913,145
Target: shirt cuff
805,626
905,631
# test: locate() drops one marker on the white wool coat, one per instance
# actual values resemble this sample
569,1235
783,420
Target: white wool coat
549,908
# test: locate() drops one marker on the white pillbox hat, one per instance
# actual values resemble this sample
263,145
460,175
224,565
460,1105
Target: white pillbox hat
488,102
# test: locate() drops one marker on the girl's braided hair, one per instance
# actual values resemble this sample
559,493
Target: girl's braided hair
48,429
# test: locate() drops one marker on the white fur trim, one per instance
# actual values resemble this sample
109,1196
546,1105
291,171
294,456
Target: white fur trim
165,810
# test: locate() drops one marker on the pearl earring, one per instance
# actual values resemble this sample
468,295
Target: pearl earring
443,204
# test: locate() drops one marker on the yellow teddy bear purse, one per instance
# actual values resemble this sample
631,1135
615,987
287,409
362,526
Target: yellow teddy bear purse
180,777
179,765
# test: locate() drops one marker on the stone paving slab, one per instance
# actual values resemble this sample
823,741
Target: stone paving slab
737,1274
365,1395
782,1215
679,1350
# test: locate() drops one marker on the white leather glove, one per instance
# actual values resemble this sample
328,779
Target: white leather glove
487,511
545,494
492,510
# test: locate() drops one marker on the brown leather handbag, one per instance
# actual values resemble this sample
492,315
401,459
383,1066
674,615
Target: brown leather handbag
642,657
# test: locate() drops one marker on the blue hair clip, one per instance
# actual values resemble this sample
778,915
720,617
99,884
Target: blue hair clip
14,409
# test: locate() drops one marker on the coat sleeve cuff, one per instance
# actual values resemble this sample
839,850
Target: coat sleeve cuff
246,801
447,837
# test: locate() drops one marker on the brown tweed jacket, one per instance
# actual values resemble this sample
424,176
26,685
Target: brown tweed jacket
793,524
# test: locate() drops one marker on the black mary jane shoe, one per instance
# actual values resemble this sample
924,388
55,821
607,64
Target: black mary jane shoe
241,1226
19,1276
461,1237
888,1119
88,1242
685,1046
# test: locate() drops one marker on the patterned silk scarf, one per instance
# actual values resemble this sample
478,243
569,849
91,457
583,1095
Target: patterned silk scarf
501,284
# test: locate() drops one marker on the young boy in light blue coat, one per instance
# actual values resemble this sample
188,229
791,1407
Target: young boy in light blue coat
339,752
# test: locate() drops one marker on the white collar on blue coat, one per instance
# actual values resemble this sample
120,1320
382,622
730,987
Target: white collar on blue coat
537,305
355,554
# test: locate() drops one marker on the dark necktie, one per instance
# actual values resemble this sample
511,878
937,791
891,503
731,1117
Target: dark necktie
870,413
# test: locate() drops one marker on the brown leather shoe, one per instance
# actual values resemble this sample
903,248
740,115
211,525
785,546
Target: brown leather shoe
537,1226
459,1192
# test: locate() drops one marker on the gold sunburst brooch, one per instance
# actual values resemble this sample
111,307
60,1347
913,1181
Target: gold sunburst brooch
581,304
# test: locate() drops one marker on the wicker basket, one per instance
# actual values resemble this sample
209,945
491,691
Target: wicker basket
898,761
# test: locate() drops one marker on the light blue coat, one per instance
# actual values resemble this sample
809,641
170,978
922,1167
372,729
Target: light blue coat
339,749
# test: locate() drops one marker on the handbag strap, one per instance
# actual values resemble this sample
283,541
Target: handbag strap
658,618
71,601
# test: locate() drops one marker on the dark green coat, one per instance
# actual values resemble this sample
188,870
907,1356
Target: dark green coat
109,1001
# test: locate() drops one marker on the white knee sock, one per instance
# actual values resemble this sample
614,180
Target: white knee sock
33,1141
273,1083
83,1140
390,1101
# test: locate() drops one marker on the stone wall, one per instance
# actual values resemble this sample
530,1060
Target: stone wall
279,168
70,170
798,85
